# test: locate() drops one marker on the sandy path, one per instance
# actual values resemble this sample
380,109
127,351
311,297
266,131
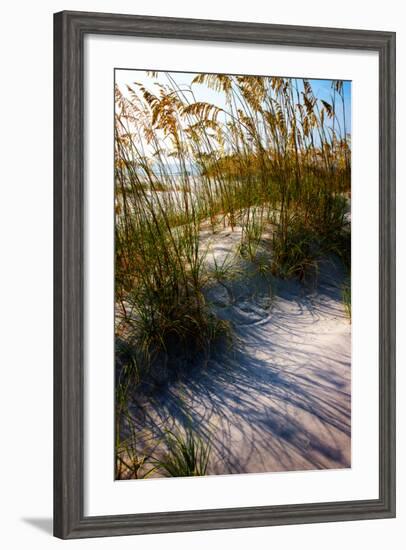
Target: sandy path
279,399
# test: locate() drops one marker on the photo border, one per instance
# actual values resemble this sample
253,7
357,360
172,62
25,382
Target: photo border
69,31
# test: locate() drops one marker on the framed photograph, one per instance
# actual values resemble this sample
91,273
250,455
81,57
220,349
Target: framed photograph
224,274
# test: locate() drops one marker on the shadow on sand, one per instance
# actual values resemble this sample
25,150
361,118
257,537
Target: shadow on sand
279,399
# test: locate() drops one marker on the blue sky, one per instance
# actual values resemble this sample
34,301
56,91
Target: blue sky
321,89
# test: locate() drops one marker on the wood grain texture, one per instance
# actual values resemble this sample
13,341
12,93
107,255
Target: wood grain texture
69,30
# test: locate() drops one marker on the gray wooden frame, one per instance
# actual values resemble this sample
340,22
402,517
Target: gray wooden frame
69,31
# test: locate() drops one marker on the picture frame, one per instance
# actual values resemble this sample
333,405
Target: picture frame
70,28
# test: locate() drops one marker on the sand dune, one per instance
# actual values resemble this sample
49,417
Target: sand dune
277,399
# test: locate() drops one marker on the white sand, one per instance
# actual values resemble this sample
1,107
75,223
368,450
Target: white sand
280,398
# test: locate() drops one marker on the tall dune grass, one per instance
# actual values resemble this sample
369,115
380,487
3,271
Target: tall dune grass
272,158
